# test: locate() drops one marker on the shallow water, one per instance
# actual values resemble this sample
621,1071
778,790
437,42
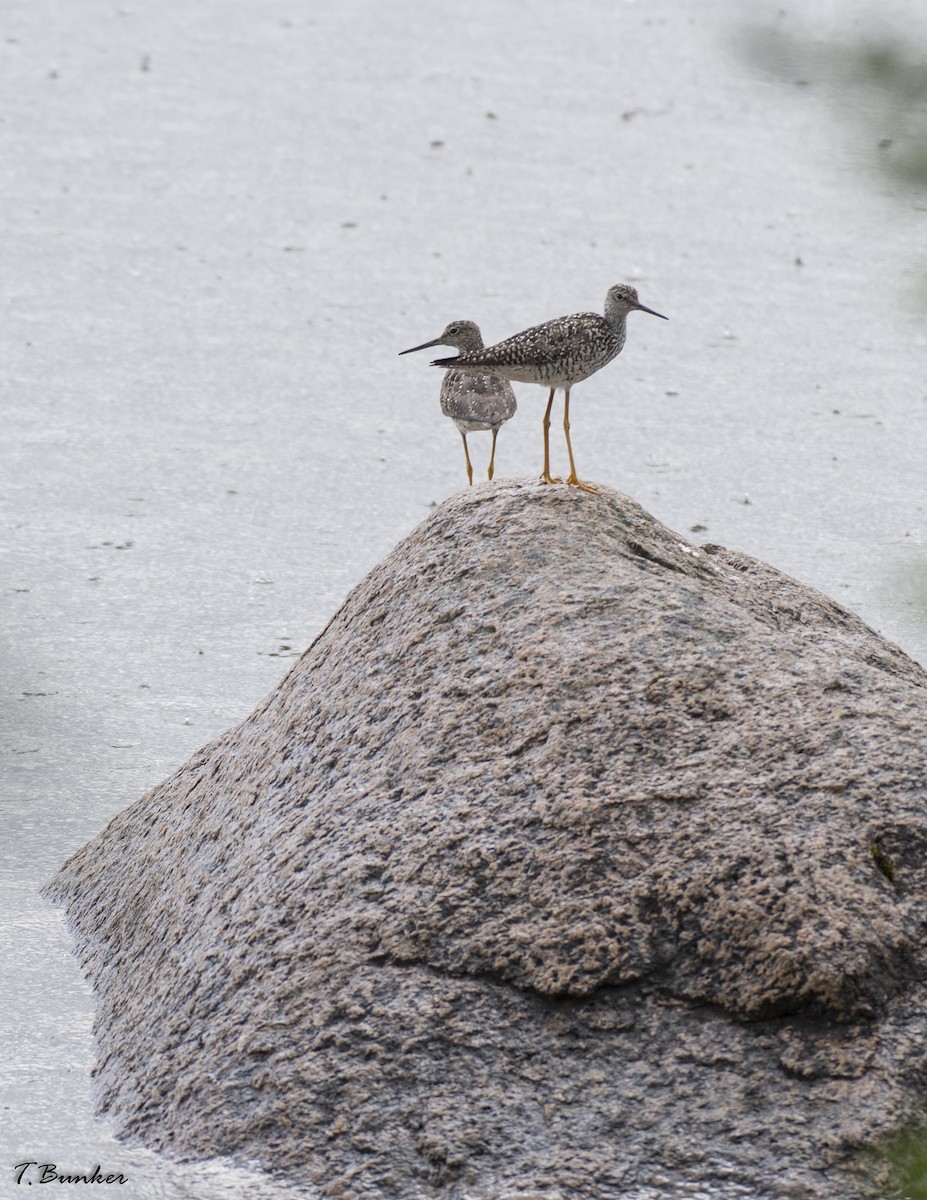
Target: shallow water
223,221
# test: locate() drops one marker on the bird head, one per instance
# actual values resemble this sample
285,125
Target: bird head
463,335
622,299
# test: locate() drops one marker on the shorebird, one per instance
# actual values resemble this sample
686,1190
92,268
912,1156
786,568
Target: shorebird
558,354
474,400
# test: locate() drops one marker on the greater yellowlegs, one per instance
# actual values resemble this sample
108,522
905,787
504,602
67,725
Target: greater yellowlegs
473,400
557,354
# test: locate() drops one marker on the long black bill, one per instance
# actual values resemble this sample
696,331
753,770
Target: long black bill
653,312
423,346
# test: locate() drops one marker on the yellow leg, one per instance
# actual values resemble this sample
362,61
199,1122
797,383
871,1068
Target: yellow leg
492,457
467,457
546,476
573,477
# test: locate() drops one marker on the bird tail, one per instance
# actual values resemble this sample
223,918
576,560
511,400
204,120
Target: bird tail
445,362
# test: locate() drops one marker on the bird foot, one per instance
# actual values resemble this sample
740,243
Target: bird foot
546,477
574,481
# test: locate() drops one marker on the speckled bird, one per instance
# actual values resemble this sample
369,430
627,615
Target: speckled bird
474,400
557,354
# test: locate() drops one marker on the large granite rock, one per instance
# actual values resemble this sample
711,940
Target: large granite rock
570,859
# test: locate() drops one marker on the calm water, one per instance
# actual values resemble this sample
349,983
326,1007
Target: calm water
224,220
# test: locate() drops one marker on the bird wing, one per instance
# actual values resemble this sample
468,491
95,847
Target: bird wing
538,345
472,397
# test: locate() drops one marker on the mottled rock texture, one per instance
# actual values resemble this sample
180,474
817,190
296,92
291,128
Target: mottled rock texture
570,858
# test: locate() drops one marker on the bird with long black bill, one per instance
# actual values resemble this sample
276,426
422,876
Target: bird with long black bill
474,400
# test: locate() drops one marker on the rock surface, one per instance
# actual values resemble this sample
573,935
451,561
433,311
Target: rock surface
570,859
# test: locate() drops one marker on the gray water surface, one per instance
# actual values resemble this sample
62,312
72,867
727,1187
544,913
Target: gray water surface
223,220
